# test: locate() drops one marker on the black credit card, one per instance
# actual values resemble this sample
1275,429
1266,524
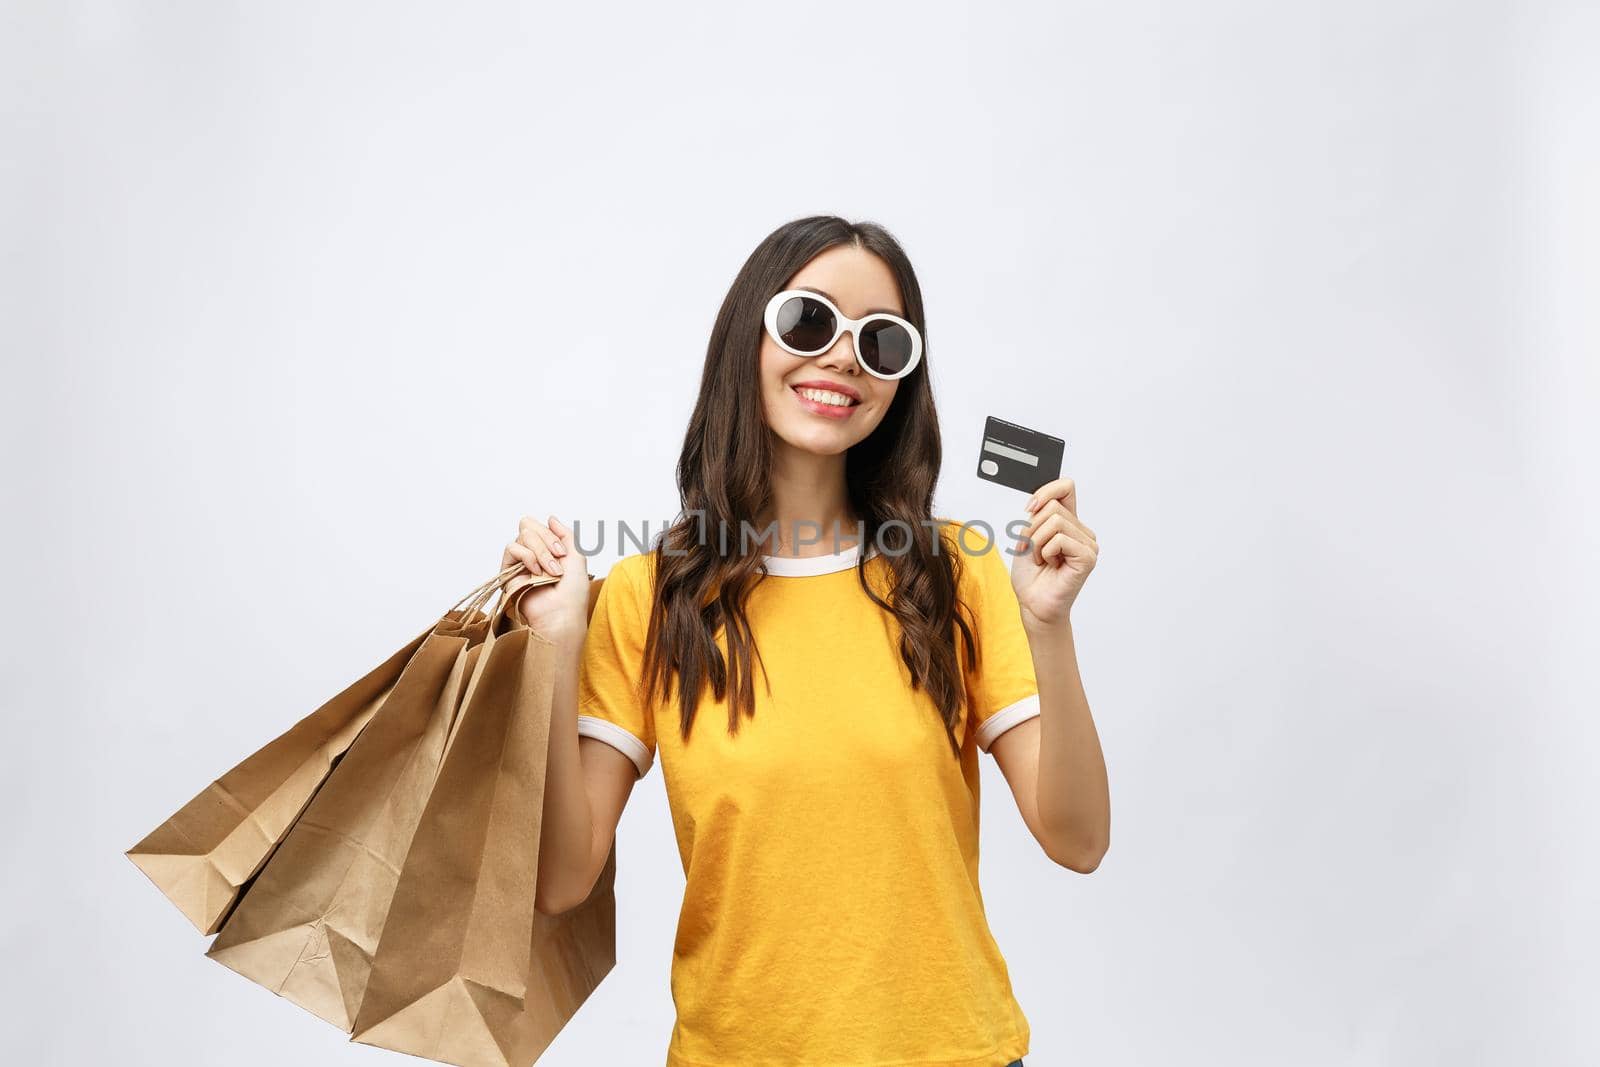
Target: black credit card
1017,456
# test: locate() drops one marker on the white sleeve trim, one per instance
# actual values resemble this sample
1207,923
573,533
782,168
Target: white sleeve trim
618,738
1005,719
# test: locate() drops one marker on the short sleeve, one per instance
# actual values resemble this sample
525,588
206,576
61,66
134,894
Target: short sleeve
1003,691
609,705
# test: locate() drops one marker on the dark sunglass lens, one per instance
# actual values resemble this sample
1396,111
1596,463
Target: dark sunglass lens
885,347
805,324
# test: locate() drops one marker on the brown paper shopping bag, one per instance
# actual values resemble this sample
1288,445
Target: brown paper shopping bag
309,924
204,854
467,972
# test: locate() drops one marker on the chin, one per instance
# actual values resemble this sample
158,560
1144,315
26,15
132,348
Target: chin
816,441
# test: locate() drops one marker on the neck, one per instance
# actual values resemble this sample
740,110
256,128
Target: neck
809,503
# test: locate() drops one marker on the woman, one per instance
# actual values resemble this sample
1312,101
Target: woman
819,703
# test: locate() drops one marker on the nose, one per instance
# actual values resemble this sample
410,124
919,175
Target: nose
842,356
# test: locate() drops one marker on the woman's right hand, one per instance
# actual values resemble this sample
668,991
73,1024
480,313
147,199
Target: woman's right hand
558,610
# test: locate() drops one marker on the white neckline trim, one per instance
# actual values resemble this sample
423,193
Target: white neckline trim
805,566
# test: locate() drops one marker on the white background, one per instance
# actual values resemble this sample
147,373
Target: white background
304,304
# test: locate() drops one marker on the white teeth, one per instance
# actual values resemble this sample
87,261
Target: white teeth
826,396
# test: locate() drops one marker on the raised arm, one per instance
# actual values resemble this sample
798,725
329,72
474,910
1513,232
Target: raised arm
587,782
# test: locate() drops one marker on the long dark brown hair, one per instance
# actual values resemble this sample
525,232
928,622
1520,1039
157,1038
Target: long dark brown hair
724,482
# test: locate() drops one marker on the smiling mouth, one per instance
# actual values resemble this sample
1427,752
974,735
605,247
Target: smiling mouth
824,401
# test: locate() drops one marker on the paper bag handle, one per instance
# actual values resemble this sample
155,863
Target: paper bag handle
508,601
479,597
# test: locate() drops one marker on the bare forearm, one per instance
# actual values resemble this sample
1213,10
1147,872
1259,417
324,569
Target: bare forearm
1074,798
567,834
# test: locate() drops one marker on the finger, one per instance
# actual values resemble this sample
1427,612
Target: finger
1056,507
1039,532
1063,546
1058,549
1041,527
1031,538
521,553
1062,489
1052,527
1082,536
563,535
538,537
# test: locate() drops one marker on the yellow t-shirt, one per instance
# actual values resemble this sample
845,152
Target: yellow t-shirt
832,913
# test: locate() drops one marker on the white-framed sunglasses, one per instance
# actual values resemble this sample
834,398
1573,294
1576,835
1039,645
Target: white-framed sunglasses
805,323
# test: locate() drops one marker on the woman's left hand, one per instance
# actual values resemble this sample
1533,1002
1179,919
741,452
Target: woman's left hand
1062,552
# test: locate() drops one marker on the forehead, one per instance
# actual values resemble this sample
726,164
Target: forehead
858,282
